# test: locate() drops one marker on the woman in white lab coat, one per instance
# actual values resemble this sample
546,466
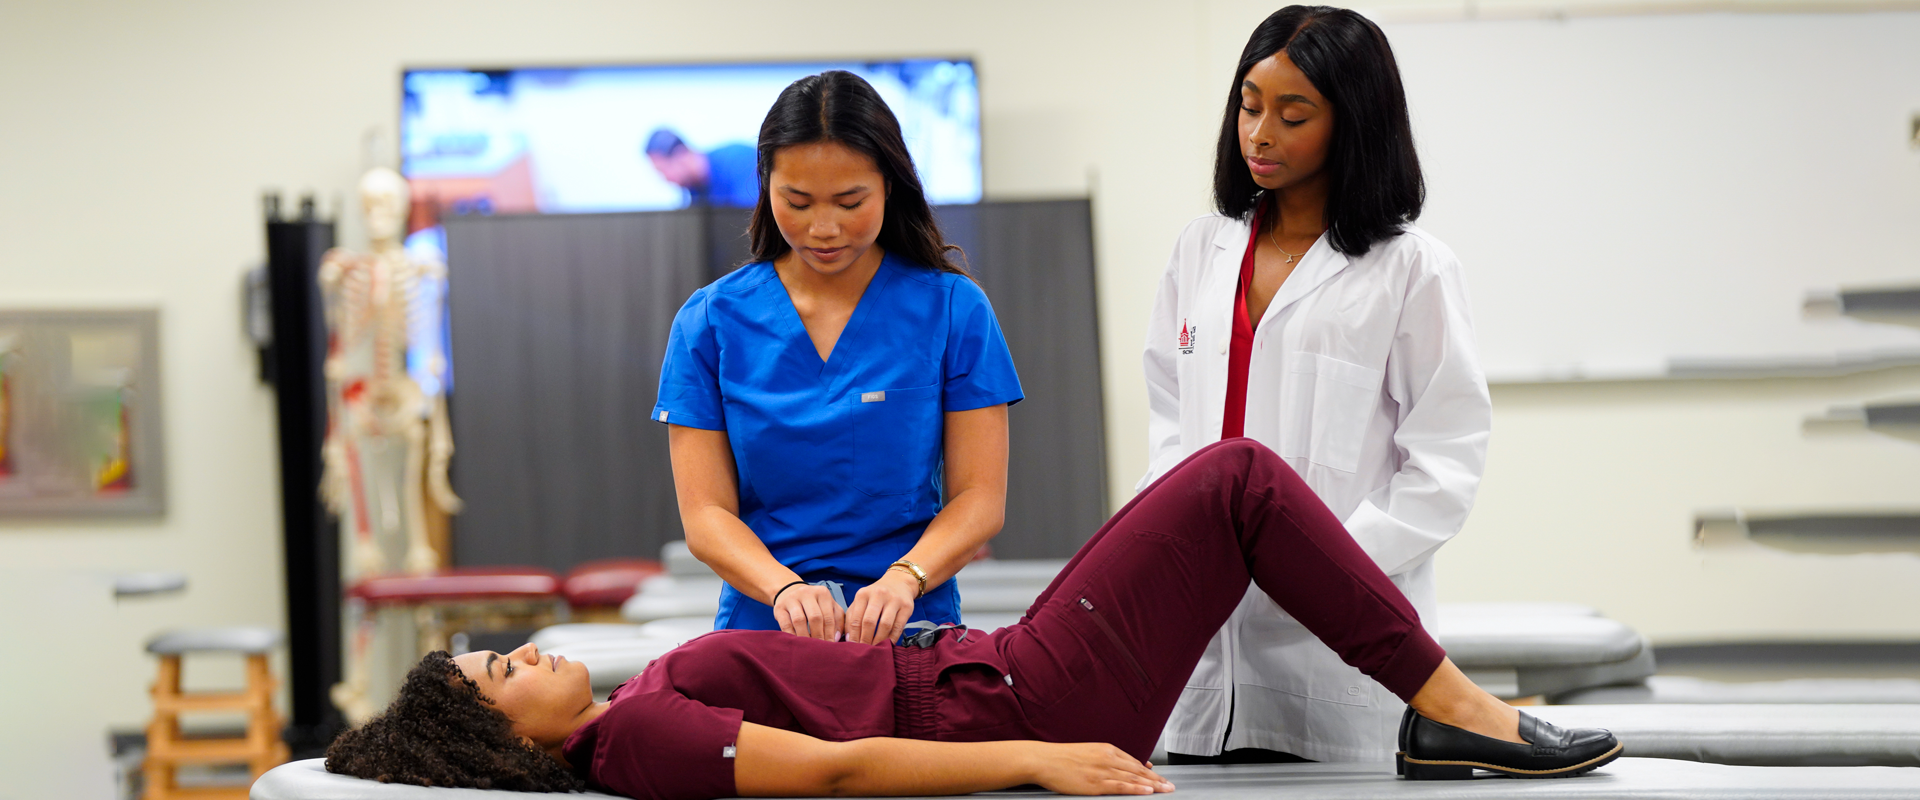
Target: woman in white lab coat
1311,315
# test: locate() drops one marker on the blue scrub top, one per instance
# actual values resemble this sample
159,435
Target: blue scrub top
838,461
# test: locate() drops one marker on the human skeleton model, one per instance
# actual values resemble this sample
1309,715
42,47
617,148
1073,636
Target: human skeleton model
385,437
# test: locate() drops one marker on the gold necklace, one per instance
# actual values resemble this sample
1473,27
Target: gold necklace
1291,257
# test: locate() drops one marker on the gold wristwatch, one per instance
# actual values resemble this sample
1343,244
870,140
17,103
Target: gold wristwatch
914,570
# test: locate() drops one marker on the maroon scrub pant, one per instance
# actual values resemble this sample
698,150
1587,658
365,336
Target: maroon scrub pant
1104,653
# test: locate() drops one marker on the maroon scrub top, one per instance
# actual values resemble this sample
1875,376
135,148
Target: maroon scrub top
669,733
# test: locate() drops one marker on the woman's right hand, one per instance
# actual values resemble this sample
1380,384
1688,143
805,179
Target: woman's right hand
808,610
1094,768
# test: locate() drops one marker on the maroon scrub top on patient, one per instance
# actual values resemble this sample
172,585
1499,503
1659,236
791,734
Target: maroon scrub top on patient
668,733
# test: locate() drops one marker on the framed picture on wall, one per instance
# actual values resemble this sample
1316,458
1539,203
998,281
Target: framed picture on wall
80,431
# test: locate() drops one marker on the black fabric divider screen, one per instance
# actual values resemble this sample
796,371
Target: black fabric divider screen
1035,261
558,328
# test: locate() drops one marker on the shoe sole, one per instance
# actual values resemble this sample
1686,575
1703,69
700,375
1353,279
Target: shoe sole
1415,769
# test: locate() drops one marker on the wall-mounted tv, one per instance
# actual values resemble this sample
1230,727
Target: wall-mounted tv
634,138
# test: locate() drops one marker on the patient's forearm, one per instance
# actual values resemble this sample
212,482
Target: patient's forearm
881,767
780,763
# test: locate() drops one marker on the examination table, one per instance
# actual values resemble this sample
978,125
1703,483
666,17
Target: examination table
1726,750
1625,779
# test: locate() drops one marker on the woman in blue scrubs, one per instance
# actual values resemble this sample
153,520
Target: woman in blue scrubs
822,399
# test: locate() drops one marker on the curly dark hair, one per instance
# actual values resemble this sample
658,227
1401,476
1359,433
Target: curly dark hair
441,731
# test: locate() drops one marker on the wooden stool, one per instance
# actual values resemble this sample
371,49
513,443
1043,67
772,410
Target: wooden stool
260,749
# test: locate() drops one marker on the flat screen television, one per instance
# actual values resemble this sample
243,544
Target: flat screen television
637,138
559,140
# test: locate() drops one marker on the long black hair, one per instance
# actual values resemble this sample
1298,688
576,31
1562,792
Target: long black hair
1374,186
440,731
837,106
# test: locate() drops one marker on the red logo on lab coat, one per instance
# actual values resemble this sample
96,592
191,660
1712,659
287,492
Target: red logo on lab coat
1187,335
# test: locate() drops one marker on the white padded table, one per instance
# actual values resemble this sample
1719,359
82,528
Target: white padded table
308,779
1683,689
667,596
678,629
1510,609
236,639
1626,779
1535,640
1533,652
1771,734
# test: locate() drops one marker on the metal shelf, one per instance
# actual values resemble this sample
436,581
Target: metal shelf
1897,305
1900,420
1824,532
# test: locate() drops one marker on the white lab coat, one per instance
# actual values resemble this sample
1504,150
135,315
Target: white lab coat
1365,379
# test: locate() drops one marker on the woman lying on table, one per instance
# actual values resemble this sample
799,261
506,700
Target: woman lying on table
1071,698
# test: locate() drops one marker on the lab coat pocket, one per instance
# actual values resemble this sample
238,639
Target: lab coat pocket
896,439
1331,401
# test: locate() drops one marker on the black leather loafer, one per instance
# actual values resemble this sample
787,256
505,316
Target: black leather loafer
1431,751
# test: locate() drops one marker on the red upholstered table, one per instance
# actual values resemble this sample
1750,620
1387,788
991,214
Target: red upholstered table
596,589
468,599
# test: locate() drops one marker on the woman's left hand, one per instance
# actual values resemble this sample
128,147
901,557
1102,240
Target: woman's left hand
880,612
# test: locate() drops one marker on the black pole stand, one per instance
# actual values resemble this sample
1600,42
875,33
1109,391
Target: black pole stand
312,551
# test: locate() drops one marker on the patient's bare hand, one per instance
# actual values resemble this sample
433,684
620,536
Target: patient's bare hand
1094,768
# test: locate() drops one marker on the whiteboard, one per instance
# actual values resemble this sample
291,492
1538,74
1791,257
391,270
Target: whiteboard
1627,192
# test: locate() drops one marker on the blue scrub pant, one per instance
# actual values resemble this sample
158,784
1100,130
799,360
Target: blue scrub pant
940,605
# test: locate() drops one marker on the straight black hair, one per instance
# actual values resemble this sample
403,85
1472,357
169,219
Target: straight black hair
1374,186
838,106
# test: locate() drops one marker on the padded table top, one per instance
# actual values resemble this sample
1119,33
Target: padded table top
1684,689
1534,640
309,779
1771,734
234,639
1513,609
608,582
1630,778
461,584
674,595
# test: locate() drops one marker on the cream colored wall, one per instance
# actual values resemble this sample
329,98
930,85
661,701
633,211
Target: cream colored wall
138,136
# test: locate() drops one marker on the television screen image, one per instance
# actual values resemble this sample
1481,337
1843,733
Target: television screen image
639,138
